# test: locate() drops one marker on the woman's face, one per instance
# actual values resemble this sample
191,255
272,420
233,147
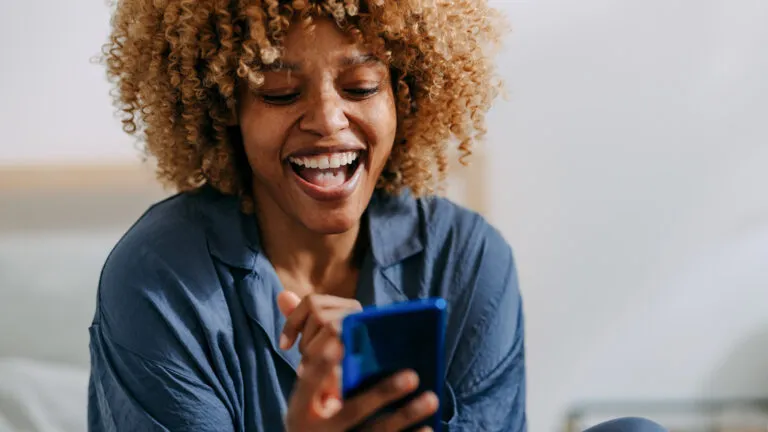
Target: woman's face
320,129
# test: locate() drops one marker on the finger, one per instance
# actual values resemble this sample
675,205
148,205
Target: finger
359,408
287,301
330,406
331,386
414,412
312,304
317,346
295,322
315,372
297,319
328,402
330,318
325,403
312,328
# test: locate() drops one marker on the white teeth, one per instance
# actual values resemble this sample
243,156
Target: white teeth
328,176
335,160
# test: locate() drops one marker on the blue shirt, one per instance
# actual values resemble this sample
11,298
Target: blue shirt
186,327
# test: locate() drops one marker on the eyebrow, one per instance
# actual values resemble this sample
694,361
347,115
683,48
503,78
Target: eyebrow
354,60
359,59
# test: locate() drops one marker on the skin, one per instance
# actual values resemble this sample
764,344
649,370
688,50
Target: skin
315,404
329,93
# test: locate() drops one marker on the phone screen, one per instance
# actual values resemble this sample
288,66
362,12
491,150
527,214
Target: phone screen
381,341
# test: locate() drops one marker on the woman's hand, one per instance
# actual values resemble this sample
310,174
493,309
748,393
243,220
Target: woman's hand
316,404
312,409
311,314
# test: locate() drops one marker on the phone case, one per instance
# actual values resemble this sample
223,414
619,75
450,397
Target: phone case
380,341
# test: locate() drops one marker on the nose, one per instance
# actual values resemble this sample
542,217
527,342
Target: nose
325,114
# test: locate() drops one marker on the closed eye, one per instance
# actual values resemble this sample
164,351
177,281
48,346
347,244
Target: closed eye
362,93
280,99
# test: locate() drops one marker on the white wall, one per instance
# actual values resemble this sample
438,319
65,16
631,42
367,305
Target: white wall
627,169
55,104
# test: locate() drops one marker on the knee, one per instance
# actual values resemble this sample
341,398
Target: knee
629,424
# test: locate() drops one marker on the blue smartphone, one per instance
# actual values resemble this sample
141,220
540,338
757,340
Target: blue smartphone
380,341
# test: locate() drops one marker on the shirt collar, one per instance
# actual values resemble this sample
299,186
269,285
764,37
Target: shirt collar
395,229
233,236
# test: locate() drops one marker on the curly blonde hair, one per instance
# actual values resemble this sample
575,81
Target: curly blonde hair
176,65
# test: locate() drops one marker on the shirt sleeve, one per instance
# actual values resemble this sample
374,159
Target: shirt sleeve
130,393
490,385
146,371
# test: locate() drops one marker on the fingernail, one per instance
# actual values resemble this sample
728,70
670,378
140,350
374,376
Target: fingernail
283,341
405,380
430,400
426,403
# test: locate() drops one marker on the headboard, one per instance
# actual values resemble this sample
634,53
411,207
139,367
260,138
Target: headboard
73,197
87,196
57,225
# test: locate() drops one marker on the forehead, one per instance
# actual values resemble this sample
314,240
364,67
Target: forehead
322,41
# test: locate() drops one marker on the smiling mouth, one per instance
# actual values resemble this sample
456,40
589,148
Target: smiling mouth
328,170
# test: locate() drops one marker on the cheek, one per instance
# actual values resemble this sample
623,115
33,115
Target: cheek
263,135
383,121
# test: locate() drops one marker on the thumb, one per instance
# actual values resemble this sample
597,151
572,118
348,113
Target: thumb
287,301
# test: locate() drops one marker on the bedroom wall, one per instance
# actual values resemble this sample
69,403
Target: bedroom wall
627,169
56,106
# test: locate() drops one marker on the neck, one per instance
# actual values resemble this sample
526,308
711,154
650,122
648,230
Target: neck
308,262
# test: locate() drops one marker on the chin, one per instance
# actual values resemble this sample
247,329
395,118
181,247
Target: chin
333,217
328,224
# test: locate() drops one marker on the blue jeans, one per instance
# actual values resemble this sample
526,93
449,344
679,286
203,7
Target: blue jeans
629,424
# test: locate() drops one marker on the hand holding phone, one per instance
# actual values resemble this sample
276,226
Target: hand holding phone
381,341
314,403
309,408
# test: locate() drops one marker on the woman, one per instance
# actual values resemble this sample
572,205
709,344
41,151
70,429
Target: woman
305,138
